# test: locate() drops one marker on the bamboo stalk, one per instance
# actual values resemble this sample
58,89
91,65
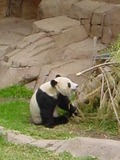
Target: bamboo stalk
111,98
92,93
96,66
102,90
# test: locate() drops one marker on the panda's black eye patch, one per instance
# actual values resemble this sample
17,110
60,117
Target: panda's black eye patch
69,85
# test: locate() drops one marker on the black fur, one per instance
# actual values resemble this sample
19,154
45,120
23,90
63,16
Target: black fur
64,103
47,106
53,83
58,75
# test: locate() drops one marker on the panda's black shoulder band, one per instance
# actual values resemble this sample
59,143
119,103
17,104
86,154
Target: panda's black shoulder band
39,91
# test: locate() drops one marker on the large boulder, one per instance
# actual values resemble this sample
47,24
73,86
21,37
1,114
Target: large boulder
54,25
62,29
10,75
53,8
82,50
84,9
106,23
99,19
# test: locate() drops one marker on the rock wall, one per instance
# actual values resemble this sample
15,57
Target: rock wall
33,52
29,9
53,8
57,45
100,19
26,9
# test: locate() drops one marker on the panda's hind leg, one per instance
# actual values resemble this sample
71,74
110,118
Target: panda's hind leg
60,120
53,121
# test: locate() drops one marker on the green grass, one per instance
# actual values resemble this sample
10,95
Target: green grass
10,151
15,115
15,91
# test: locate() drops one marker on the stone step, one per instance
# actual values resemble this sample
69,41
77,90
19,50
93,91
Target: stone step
4,50
13,30
62,29
30,39
82,50
31,53
54,25
71,35
11,54
27,52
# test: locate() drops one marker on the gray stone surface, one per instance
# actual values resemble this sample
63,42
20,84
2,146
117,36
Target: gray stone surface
27,55
74,34
30,39
12,30
4,50
103,149
82,50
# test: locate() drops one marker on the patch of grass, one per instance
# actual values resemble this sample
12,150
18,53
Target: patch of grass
109,125
15,91
15,115
9,151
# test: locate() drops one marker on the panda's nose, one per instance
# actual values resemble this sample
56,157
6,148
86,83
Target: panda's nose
75,87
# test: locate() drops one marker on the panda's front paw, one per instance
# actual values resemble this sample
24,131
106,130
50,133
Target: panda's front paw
76,113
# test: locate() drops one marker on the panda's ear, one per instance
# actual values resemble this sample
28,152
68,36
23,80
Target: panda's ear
58,75
53,83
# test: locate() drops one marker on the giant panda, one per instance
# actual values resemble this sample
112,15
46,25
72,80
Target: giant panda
50,95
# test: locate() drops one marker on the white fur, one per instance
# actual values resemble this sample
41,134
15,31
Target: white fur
34,110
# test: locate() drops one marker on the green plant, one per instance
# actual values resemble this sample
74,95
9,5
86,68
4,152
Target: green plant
115,46
114,50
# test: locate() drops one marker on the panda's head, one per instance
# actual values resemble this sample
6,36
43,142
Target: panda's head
64,85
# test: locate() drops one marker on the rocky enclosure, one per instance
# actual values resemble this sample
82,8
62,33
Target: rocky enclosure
34,51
